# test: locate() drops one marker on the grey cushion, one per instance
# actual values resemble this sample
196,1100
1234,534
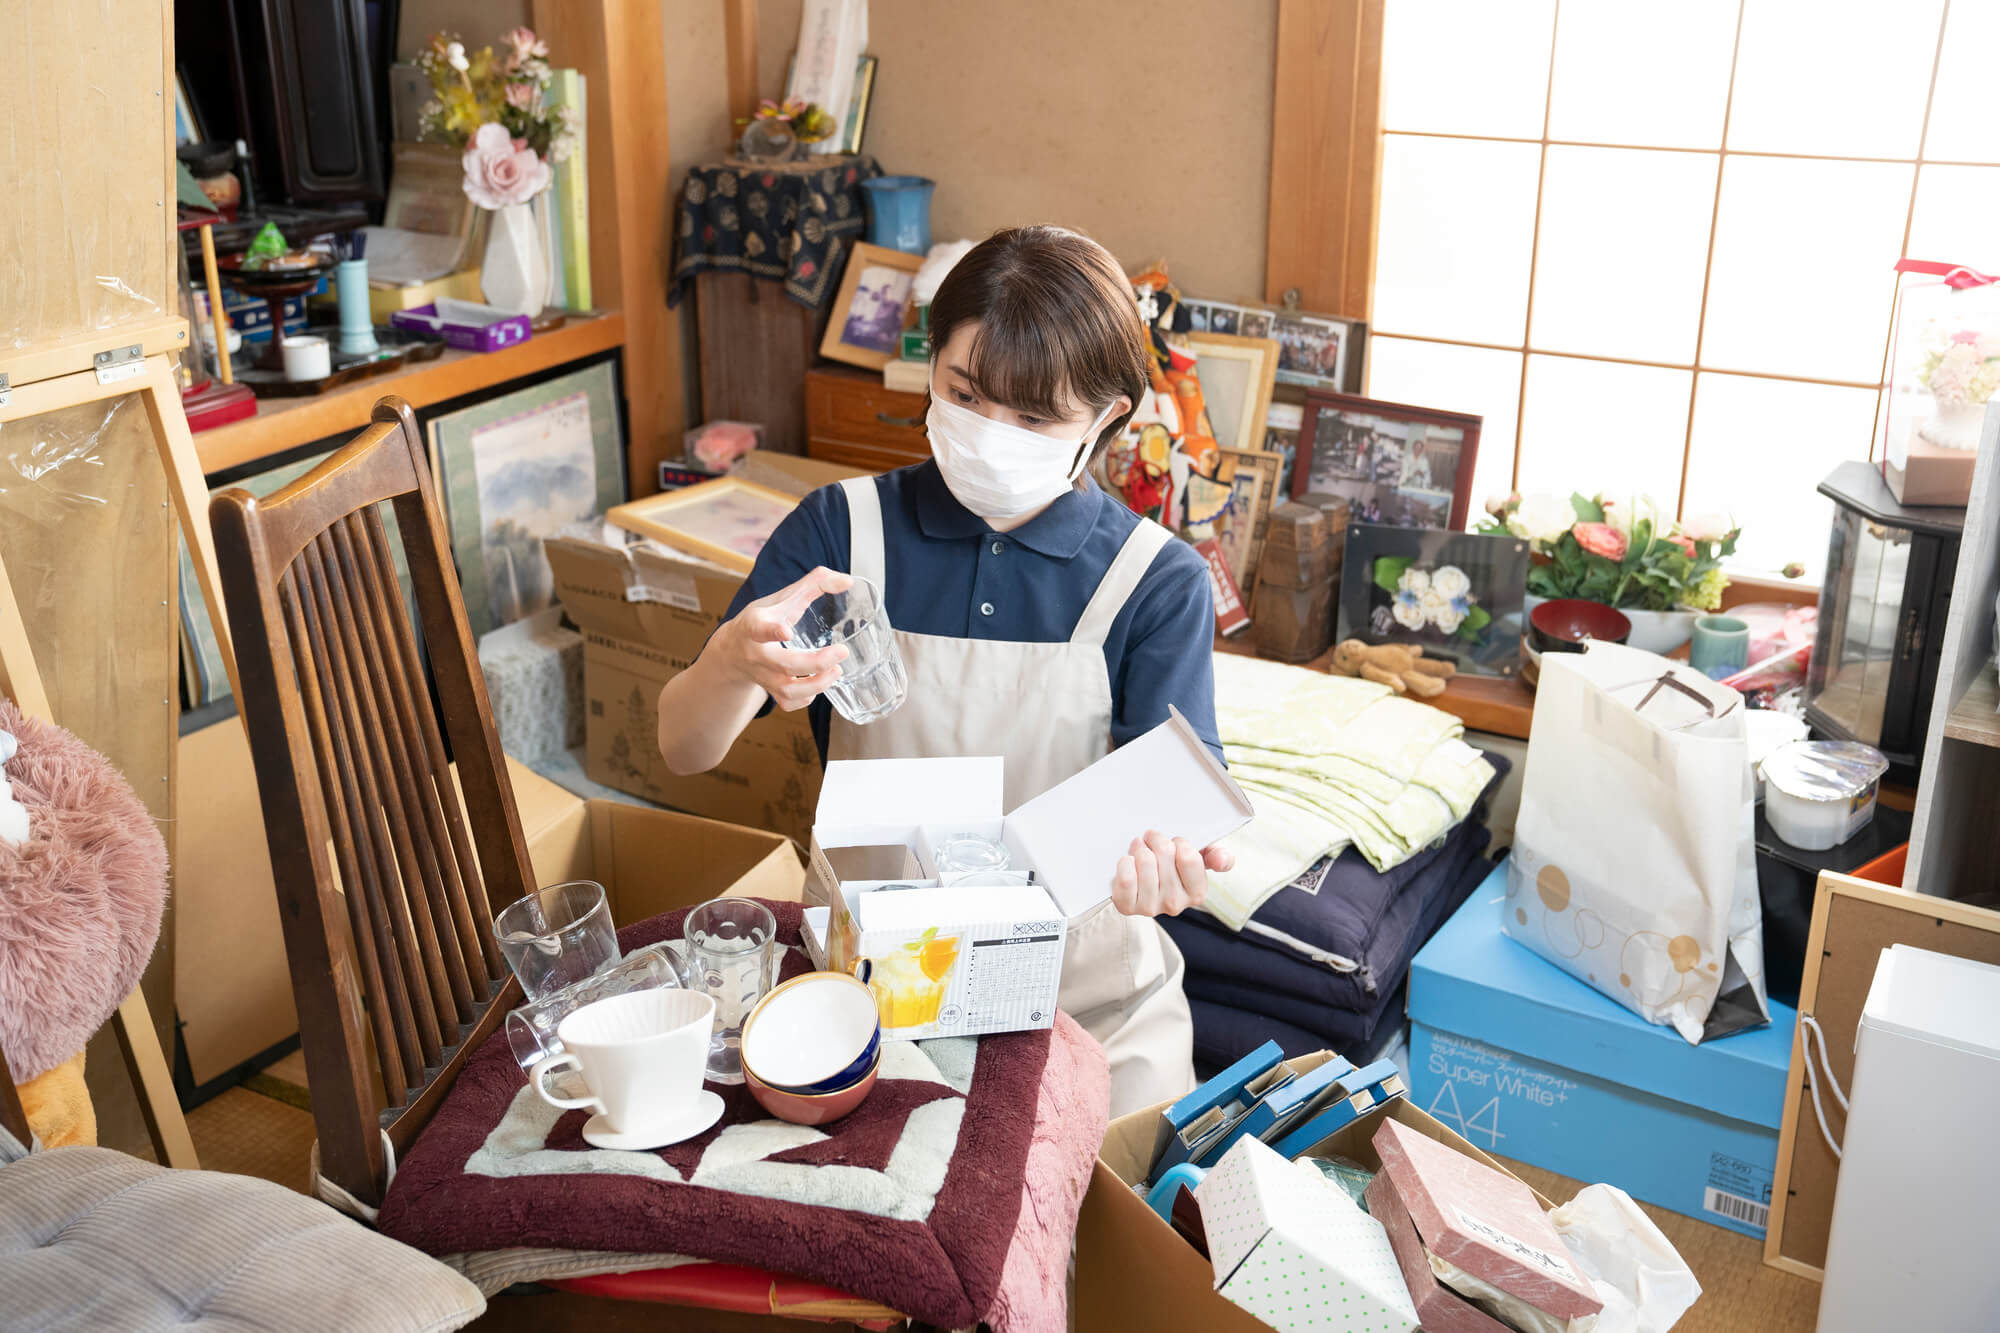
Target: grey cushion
93,1239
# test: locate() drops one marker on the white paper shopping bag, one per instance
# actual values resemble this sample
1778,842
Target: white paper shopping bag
1634,864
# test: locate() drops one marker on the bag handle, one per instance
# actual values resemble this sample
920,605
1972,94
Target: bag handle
1668,680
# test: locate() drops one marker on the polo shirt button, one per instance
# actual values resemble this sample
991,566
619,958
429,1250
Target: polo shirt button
999,547
986,608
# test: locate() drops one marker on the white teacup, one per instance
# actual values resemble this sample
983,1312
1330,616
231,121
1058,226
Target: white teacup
642,1055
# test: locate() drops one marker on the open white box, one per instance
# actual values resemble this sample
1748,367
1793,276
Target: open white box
963,960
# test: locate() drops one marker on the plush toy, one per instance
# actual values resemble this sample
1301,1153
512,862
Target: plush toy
1402,667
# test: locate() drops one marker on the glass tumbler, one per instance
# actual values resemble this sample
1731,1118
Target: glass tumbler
555,937
531,1029
729,952
971,854
872,680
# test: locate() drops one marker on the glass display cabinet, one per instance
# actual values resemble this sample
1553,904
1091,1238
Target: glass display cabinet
1889,572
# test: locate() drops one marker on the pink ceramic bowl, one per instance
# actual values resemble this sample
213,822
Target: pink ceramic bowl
812,1108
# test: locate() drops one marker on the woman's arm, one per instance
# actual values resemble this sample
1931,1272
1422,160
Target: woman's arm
705,708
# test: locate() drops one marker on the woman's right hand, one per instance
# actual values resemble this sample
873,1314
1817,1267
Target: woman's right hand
754,649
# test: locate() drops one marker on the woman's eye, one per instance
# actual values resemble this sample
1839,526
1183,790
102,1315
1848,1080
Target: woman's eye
1034,423
962,397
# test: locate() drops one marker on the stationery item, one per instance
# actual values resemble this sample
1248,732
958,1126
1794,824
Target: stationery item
1197,1122
532,1029
816,1034
1283,1107
1293,1250
1818,794
1721,646
466,325
557,936
640,1056
307,357
873,681
357,321
1483,1221
1357,1094
728,955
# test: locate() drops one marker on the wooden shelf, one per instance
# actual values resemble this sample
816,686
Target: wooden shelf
286,423
1976,717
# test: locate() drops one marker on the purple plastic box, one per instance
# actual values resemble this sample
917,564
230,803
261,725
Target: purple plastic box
502,331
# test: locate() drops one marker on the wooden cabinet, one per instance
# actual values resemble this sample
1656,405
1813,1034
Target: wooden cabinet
756,344
853,420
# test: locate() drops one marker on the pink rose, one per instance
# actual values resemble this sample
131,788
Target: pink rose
497,173
521,96
1600,539
522,44
1685,543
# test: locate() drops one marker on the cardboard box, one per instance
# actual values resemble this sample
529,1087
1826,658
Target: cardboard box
958,960
645,616
1521,1057
1928,475
1133,1271
1291,1248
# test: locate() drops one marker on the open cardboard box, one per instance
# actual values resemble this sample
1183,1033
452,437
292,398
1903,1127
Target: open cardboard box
649,861
1135,1271
960,959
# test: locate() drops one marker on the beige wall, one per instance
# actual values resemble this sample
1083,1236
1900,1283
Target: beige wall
477,22
1147,125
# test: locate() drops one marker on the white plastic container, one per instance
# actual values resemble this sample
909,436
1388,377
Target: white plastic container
1818,794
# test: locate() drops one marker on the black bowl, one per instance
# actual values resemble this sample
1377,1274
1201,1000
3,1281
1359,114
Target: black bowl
207,159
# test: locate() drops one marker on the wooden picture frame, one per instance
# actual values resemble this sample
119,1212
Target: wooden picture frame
856,128
1237,376
1368,451
725,522
1853,921
1253,490
872,307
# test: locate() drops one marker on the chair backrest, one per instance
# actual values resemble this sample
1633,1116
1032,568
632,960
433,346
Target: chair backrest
352,773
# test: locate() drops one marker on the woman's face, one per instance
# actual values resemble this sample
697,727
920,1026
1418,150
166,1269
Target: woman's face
951,377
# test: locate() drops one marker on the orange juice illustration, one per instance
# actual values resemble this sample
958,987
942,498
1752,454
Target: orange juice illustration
910,984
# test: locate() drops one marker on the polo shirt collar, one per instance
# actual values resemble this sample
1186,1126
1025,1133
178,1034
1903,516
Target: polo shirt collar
1058,532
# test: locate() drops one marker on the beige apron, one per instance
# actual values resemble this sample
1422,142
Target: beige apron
1047,708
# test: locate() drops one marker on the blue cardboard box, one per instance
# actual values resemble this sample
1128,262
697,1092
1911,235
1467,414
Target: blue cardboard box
1528,1062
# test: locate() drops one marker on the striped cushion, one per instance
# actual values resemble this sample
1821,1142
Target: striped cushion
93,1239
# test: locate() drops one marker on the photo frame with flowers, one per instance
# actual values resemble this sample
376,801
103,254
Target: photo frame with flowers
1457,595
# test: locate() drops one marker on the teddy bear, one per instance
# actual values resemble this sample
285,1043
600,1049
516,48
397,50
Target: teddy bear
1402,667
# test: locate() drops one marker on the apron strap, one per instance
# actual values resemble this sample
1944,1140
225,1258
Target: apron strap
1134,558
864,531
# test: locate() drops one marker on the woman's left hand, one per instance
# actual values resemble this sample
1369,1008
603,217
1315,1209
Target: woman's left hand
1163,876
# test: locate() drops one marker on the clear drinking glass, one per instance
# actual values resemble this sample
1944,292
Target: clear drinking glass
872,680
729,953
970,853
531,1029
557,936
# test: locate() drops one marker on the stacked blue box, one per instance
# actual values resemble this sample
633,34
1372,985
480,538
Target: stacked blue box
251,315
1528,1062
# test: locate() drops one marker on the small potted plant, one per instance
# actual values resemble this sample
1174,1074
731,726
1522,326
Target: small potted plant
495,106
1625,554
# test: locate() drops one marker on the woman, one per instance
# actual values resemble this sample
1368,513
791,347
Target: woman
1039,618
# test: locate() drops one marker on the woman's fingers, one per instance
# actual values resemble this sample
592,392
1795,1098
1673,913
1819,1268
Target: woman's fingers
1143,897
1219,859
770,619
1192,874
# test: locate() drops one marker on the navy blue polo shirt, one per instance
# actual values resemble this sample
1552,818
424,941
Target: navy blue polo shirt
951,575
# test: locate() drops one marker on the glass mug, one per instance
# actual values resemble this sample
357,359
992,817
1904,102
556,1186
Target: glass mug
873,681
556,937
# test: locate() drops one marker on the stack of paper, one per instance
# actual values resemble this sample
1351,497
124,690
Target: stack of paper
1329,762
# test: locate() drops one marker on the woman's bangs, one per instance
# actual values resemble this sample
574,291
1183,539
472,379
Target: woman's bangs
1014,363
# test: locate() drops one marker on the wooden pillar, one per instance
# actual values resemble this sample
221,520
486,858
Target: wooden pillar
739,19
620,46
1326,155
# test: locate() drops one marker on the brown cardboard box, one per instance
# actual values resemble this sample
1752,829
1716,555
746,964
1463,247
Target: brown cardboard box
1133,1271
645,616
1930,475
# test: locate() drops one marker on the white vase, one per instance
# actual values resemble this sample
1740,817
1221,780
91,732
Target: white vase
514,275
1954,426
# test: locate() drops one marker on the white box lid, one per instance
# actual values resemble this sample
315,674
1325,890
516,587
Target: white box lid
1075,832
902,793
1935,997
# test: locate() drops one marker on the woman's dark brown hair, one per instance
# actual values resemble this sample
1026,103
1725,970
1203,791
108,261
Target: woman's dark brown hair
1058,327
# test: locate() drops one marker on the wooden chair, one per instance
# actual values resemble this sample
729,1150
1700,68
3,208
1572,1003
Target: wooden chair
349,758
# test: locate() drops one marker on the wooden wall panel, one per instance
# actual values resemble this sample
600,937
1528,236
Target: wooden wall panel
1326,155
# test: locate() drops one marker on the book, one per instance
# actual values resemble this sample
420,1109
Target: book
571,193
1230,617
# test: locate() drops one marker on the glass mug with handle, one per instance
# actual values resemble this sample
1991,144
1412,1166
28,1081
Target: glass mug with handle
558,936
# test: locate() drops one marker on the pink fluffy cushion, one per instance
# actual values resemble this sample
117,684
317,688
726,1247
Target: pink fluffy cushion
80,901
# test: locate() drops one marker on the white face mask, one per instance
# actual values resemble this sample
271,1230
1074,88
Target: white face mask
999,470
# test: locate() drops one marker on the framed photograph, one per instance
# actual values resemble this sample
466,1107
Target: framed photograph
872,308
1457,595
1239,531
856,128
1252,323
725,522
1396,465
1222,318
1236,375
518,468
1320,351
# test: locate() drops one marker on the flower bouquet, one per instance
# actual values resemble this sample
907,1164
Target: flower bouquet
1419,599
1625,554
780,131
496,107
1961,370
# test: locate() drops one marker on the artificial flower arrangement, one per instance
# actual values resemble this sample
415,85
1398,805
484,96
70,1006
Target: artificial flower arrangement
1625,554
495,106
1420,599
809,122
1963,368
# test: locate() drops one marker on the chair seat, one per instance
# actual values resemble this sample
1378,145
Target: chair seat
93,1239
